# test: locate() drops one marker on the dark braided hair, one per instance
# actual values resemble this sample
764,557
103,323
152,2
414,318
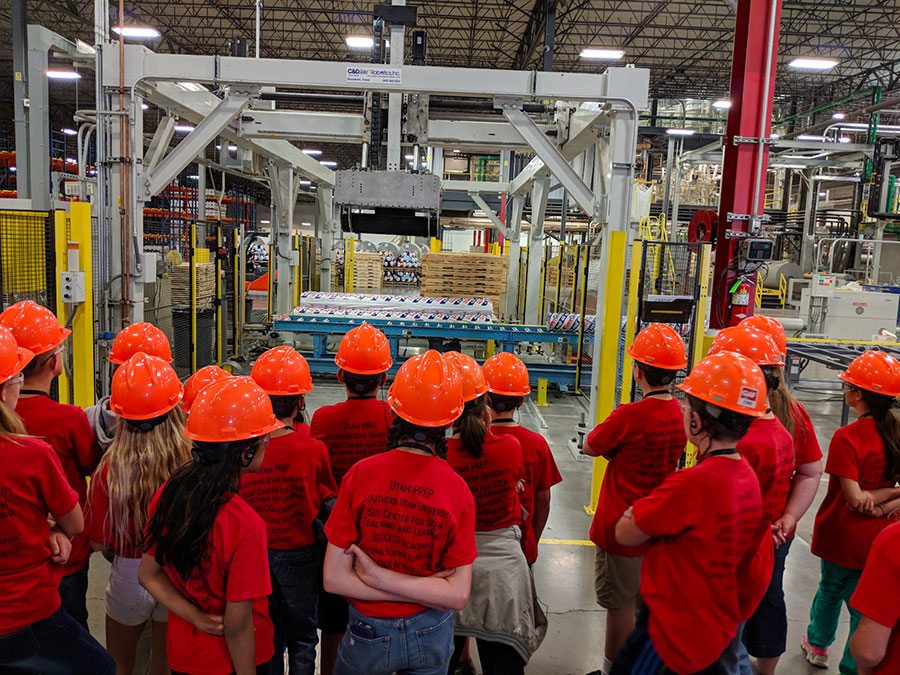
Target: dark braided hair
190,502
402,433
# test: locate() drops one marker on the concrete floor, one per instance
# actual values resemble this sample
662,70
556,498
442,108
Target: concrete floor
564,570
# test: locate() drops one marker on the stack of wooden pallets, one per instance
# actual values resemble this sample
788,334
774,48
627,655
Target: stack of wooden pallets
466,275
367,271
206,285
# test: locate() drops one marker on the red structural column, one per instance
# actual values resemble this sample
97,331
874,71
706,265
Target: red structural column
752,43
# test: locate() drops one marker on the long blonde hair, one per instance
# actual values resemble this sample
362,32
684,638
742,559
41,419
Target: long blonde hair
10,423
783,403
137,464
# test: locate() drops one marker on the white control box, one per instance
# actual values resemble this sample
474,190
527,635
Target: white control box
823,285
71,286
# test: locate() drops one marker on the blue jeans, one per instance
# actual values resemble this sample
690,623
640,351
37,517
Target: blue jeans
292,607
57,645
418,645
73,593
735,660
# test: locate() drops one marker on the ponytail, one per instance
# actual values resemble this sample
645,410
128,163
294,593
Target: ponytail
471,427
888,426
780,400
10,423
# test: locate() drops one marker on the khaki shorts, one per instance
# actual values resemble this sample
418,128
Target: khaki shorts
617,579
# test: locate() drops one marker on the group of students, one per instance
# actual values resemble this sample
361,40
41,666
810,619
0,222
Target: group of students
690,562
398,528
401,529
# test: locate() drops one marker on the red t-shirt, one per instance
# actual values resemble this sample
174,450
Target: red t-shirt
492,478
97,523
302,429
32,484
352,430
769,448
806,445
702,519
540,475
642,441
235,567
842,536
289,488
67,430
411,513
878,593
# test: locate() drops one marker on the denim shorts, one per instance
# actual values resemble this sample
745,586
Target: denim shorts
421,644
127,602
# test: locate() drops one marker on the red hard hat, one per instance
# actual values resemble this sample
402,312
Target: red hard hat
34,326
730,381
13,358
427,391
660,346
506,375
364,350
140,337
756,345
282,371
768,325
196,382
474,383
144,387
874,371
233,409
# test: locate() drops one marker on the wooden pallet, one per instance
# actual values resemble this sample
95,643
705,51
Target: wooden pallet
464,274
205,289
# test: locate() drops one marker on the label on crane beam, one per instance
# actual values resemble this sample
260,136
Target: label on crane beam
374,75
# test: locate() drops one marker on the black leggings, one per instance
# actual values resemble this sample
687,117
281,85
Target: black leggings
496,658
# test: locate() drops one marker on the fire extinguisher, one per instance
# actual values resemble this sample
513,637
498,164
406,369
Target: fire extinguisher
740,293
742,300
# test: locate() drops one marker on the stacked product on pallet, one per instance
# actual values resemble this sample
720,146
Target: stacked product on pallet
466,275
315,304
404,269
181,312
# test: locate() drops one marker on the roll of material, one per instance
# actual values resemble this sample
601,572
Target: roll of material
772,275
702,227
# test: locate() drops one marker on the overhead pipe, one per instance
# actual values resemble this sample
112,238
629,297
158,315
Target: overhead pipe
258,12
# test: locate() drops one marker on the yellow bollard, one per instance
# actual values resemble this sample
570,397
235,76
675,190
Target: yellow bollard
542,393
489,349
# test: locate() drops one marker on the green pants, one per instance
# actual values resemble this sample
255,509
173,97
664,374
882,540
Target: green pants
835,588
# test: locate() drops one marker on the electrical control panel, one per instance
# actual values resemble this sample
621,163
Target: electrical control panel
757,250
71,286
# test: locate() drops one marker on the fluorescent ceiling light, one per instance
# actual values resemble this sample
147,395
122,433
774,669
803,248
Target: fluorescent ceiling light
603,54
863,125
232,148
680,132
93,172
328,163
143,32
70,132
193,176
844,139
63,75
409,157
775,136
305,182
305,224
838,116
144,106
192,86
183,128
722,105
264,222
808,137
312,153
12,169
359,42
821,194
813,63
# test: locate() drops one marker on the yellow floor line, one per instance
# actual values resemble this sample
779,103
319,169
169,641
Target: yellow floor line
567,542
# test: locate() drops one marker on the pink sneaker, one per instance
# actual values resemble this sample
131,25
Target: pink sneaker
818,656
